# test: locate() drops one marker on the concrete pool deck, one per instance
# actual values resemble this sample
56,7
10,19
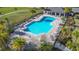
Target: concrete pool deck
52,32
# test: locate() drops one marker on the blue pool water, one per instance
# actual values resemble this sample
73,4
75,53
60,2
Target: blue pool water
42,26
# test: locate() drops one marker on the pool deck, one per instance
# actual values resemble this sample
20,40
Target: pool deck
32,36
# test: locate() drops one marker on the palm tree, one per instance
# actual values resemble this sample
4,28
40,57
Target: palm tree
67,10
46,47
76,33
17,43
76,40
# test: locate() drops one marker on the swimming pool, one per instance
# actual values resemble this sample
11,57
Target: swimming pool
42,26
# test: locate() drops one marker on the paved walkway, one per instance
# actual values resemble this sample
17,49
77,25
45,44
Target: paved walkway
61,46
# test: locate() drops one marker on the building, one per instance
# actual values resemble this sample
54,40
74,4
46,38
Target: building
57,11
75,10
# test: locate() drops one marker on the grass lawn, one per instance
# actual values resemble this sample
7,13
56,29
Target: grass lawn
5,10
19,17
76,21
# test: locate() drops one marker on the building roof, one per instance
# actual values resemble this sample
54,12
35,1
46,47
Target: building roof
75,9
60,9
56,9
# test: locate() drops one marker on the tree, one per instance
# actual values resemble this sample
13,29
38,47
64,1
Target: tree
74,44
4,35
65,34
42,8
7,20
17,43
76,40
71,45
0,13
46,47
15,9
67,10
10,30
76,33
33,11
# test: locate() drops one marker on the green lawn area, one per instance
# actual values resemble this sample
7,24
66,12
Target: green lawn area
76,21
19,17
5,10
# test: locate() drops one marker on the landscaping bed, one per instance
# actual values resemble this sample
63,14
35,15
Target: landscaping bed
65,36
